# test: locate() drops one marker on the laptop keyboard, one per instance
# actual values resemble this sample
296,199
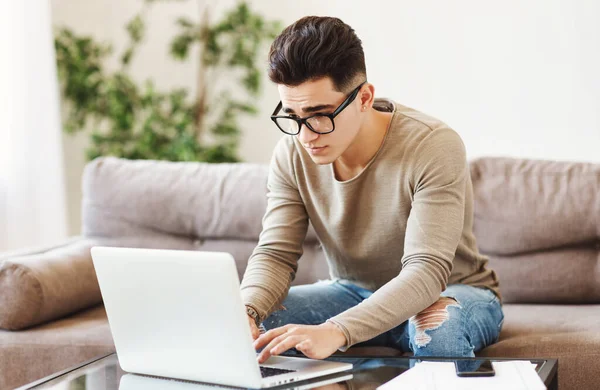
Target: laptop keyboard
269,371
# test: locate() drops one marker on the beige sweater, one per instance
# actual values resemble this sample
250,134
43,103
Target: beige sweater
402,227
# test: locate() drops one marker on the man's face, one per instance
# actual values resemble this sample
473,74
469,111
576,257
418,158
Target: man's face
320,97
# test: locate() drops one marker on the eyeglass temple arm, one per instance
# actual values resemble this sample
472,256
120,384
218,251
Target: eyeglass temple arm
349,100
277,108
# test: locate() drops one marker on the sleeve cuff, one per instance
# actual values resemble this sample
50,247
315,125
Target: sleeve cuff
346,334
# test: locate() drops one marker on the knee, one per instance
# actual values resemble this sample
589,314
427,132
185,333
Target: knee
276,319
438,331
297,308
286,313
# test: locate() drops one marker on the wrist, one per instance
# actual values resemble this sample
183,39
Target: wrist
253,314
340,336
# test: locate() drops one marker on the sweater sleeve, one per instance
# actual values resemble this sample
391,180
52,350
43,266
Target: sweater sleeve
274,262
433,231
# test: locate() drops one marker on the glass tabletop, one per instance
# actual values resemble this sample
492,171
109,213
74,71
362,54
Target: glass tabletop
369,372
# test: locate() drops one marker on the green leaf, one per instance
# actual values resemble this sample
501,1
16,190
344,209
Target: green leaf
212,49
225,129
220,154
186,23
136,28
252,82
246,108
126,58
180,46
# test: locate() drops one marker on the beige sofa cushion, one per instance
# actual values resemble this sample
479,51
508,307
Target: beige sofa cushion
539,222
533,205
123,198
29,355
564,275
44,285
568,333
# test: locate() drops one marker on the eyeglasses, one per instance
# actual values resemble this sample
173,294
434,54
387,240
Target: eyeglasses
319,123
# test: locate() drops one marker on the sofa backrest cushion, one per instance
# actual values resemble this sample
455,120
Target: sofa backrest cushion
539,222
195,206
198,200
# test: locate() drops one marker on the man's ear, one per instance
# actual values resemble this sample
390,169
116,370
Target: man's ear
367,95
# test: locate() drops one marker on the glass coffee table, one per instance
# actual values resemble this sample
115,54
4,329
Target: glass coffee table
368,372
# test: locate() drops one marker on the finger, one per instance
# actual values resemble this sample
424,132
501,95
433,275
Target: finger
255,332
253,329
266,352
287,343
266,338
304,347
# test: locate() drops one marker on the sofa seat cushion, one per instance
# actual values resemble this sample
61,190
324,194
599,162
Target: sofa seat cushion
26,356
566,332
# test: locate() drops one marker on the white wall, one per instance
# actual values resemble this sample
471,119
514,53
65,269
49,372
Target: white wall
513,78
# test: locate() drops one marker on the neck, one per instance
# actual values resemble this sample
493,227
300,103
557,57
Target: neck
365,145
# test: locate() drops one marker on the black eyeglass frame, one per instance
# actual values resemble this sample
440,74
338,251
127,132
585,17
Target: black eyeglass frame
303,121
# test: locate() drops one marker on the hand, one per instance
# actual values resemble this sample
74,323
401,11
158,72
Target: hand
315,341
253,328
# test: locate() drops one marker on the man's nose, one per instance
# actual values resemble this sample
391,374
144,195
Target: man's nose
306,136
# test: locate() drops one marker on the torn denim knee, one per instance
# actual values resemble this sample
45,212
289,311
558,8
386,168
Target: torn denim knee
431,319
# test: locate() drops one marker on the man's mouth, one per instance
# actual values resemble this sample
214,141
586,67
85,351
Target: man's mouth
315,149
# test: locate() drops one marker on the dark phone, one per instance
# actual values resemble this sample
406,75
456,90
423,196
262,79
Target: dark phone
474,368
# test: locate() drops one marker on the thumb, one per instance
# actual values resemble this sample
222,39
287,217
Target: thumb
255,331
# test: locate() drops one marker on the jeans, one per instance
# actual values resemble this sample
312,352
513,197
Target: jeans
473,318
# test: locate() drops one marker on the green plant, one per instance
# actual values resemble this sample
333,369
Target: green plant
141,122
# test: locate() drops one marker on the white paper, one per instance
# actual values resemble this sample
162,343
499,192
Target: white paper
516,375
416,378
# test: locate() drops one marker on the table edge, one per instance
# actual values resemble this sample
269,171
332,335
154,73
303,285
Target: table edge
64,372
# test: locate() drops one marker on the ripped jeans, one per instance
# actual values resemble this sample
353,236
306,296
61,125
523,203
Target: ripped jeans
463,321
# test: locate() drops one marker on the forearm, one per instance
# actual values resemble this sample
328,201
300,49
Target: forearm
416,288
274,262
266,283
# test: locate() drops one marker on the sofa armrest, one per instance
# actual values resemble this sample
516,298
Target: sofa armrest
29,251
43,284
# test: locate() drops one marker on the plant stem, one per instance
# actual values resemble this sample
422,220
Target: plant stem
201,92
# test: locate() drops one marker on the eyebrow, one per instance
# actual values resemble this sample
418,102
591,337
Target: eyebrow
310,109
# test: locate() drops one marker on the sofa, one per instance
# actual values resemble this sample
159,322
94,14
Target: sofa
538,221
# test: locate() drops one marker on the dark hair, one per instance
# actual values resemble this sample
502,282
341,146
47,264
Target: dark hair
315,47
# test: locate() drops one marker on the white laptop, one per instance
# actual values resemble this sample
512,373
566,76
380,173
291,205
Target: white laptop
179,314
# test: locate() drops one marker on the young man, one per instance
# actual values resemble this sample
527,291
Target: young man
388,192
